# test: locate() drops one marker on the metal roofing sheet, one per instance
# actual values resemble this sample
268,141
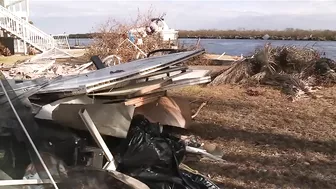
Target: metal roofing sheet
113,74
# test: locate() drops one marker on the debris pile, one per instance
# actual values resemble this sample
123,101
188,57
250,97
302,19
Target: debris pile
48,69
45,65
87,117
295,70
134,87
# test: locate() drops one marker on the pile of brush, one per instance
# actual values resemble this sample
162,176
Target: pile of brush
111,39
295,70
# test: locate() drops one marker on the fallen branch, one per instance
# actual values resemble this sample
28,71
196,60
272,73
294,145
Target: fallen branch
198,110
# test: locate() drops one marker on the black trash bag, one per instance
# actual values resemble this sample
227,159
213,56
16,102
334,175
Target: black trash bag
202,182
153,157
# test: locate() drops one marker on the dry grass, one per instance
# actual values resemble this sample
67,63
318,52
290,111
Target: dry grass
11,60
268,141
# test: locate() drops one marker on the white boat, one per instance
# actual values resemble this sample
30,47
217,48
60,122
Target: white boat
157,26
167,34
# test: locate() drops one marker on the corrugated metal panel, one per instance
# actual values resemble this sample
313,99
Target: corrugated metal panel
109,76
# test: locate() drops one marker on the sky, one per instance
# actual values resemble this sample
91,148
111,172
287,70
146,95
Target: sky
84,16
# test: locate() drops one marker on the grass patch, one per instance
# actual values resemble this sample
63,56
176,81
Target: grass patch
268,141
11,60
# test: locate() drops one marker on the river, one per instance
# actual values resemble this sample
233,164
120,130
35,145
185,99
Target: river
245,46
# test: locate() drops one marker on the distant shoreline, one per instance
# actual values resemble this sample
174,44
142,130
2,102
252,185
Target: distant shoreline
257,38
289,34
241,38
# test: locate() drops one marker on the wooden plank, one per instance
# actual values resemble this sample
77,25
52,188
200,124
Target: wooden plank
137,89
134,102
145,98
140,98
148,89
184,83
146,102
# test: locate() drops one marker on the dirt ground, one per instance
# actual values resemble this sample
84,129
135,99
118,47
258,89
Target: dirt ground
268,141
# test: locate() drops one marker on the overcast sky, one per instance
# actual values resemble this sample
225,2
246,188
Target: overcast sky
82,16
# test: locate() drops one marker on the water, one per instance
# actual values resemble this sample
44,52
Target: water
245,47
82,42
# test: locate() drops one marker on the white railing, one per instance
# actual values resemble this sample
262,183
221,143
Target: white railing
25,31
62,41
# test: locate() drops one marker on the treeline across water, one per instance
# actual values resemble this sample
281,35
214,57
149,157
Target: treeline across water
81,35
288,34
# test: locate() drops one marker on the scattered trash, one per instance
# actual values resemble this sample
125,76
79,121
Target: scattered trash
191,140
194,146
81,109
203,152
213,150
140,84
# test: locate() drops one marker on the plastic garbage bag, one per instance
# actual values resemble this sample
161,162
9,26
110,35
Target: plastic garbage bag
199,180
154,157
